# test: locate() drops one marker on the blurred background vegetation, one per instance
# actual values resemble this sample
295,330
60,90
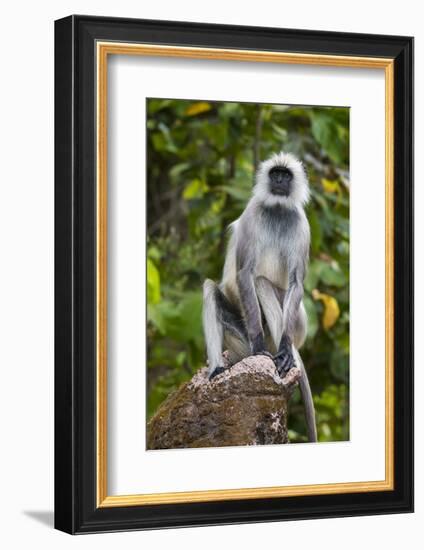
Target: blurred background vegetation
202,157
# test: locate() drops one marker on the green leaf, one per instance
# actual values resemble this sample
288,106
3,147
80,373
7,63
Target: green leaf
155,316
311,312
195,189
281,133
178,169
332,275
153,283
316,231
312,275
326,130
154,253
340,365
190,317
328,273
156,105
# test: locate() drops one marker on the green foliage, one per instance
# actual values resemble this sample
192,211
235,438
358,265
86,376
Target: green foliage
202,157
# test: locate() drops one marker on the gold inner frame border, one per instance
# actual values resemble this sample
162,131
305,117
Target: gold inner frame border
103,50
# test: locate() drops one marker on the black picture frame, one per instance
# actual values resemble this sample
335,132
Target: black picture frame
76,510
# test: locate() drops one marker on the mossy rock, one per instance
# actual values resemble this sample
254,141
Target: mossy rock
245,405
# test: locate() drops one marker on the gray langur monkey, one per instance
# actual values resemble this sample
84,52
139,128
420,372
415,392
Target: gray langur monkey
257,308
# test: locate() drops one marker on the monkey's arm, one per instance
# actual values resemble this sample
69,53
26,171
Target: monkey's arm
292,301
245,259
251,310
293,297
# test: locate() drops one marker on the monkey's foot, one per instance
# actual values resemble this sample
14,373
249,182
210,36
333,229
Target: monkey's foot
216,372
284,362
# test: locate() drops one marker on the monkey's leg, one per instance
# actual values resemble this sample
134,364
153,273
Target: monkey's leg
220,317
284,359
212,328
301,327
294,324
271,299
237,349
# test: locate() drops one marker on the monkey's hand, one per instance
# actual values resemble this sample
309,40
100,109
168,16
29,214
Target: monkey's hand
284,360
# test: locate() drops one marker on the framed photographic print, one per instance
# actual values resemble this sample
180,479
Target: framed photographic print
234,274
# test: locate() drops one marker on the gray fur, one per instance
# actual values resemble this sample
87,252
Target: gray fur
213,329
308,403
250,307
271,301
263,277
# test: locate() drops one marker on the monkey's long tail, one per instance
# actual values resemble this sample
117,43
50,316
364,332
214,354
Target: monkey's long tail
305,390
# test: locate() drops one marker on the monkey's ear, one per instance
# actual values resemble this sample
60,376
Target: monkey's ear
305,170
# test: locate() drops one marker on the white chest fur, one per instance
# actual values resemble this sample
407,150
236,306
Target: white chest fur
271,266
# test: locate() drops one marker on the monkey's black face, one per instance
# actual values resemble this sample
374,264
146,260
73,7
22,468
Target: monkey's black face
280,181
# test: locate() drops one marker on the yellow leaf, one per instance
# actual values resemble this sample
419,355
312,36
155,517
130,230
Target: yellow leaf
195,189
330,186
197,108
331,308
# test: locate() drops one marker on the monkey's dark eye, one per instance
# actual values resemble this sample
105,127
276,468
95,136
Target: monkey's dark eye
280,180
279,174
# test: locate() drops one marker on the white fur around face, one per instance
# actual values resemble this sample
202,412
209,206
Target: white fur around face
299,195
